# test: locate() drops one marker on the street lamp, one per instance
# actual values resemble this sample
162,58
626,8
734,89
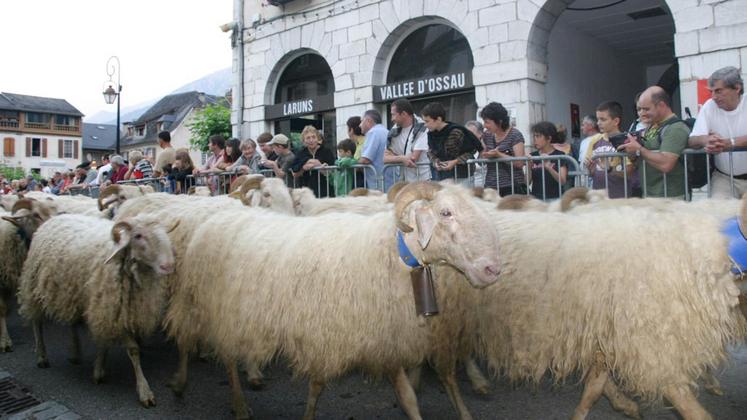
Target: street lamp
109,93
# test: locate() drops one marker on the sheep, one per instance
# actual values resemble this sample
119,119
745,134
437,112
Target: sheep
306,204
199,191
272,193
554,312
311,312
112,280
112,196
16,231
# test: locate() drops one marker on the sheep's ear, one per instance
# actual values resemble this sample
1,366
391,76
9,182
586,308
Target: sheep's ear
16,220
121,234
255,198
426,223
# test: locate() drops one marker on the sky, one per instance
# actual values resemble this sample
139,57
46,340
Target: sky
59,49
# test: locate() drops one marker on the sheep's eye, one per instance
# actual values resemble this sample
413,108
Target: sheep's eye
446,213
138,236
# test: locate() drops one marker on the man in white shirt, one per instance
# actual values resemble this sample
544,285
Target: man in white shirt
102,172
722,126
407,143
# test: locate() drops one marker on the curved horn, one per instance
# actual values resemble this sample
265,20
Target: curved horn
358,192
478,191
237,183
421,190
575,193
514,202
117,228
23,203
191,190
394,190
106,192
251,183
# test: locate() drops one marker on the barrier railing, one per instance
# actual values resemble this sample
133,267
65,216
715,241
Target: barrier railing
162,184
88,191
518,174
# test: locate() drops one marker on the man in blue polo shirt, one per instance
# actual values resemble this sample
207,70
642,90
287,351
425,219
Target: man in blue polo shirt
374,146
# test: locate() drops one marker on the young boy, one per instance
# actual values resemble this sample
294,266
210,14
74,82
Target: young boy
345,175
607,172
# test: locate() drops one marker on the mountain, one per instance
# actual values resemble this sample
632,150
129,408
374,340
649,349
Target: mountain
217,83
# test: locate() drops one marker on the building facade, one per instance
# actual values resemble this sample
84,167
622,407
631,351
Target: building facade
172,113
41,135
99,140
315,62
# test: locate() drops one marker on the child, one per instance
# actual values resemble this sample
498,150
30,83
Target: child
607,172
345,175
549,185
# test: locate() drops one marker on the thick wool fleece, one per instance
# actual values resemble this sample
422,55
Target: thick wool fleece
650,289
69,284
303,295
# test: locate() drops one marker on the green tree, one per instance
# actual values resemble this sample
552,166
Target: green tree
213,119
11,173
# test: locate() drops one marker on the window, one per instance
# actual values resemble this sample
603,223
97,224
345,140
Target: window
140,131
36,118
67,149
36,148
64,120
150,152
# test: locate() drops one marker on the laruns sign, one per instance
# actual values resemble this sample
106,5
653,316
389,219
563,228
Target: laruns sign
300,107
422,87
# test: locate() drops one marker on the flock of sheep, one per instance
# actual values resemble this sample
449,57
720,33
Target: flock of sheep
635,295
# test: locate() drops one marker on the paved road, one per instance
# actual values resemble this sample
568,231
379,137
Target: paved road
353,397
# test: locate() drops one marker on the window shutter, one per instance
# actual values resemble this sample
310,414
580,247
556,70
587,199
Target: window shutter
61,148
28,146
44,147
9,146
75,149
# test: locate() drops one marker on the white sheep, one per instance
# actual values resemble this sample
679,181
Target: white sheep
258,191
112,281
306,204
316,309
648,305
112,196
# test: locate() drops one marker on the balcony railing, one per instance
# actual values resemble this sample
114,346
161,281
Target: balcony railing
72,128
45,126
8,124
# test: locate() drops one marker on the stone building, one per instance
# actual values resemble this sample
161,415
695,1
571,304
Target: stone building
319,62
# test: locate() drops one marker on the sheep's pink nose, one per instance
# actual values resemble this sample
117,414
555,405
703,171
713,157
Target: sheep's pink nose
492,270
166,268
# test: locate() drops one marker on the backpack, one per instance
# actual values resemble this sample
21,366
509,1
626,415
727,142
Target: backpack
697,164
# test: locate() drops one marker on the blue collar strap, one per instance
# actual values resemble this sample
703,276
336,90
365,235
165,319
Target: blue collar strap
404,252
737,245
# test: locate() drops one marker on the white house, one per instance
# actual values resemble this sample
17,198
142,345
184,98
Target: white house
300,62
39,134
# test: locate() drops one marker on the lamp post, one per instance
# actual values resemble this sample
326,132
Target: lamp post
109,93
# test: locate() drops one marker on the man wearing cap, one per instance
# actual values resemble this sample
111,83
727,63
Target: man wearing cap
85,175
285,157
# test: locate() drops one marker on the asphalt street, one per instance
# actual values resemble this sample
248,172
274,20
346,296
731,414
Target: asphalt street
352,397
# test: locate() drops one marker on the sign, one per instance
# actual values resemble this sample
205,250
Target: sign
300,107
704,93
423,86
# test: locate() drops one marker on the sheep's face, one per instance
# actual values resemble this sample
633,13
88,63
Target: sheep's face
451,228
147,242
275,196
29,214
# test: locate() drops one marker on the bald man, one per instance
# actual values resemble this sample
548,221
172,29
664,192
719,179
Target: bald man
663,143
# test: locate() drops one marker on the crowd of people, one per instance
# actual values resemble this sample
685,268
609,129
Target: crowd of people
646,157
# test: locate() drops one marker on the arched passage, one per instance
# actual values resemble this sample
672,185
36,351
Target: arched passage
301,90
427,60
596,53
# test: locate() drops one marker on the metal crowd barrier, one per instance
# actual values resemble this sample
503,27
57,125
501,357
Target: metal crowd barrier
162,184
360,175
89,191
